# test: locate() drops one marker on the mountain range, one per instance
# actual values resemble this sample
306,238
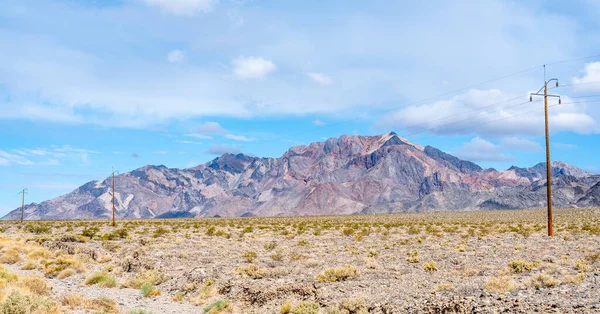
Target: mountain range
346,175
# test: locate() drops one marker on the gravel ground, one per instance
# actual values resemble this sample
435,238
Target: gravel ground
484,262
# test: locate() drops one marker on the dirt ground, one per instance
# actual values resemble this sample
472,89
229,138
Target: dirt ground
461,262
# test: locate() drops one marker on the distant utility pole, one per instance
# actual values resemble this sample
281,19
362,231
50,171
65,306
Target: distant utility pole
548,166
23,203
113,196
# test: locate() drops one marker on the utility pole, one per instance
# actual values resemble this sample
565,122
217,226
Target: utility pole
548,165
113,196
23,203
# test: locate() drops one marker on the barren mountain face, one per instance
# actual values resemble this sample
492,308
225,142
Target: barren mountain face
346,175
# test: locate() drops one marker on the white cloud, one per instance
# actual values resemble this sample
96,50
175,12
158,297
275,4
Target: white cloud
318,123
252,68
161,152
210,128
183,7
490,113
520,144
176,56
220,149
590,81
479,149
13,159
320,78
239,138
44,156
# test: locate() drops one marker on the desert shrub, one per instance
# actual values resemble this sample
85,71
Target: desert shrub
296,256
543,281
36,285
218,307
518,266
338,274
101,279
252,271
90,232
159,232
373,253
413,256
277,256
248,229
305,308
139,312
270,246
430,266
73,238
19,303
349,306
414,230
148,290
499,285
581,265
36,228
286,308
347,231
250,256
210,231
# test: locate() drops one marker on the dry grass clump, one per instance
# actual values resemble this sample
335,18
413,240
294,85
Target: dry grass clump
54,267
252,271
153,276
101,279
574,279
11,256
444,287
349,306
35,285
499,285
338,274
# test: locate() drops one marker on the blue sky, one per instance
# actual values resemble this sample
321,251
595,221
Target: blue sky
88,85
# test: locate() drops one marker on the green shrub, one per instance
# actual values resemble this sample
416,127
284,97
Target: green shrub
148,290
101,279
217,306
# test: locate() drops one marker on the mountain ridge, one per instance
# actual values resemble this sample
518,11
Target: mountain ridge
345,175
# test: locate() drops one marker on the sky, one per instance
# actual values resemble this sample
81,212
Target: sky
89,86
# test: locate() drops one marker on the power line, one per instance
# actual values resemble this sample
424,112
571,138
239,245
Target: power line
503,118
448,93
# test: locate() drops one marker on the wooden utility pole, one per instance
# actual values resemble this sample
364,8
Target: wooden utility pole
23,204
113,197
548,164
